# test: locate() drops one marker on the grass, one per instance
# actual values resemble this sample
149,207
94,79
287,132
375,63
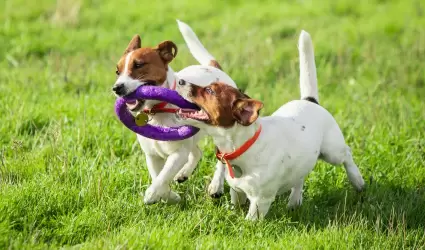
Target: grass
71,174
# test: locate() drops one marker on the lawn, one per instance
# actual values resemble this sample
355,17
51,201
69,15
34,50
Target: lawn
71,175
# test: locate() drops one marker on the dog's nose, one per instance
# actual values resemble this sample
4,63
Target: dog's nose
182,82
118,88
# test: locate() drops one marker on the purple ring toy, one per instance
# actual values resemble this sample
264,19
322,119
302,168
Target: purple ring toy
155,132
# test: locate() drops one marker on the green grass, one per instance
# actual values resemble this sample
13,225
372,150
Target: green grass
71,175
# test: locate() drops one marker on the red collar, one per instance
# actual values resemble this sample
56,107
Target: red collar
227,157
160,107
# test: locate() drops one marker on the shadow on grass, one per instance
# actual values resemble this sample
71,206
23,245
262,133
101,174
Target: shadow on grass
382,207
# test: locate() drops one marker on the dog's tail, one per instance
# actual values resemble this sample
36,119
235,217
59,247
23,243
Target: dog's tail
308,75
195,46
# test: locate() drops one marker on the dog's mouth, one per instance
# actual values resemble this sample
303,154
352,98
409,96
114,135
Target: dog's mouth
135,105
198,115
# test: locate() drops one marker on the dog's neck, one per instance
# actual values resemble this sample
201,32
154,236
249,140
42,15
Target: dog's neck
168,83
228,140
163,118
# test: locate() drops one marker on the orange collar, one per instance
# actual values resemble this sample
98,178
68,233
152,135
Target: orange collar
160,107
227,157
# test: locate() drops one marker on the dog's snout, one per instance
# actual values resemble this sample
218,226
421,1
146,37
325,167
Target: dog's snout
118,88
182,82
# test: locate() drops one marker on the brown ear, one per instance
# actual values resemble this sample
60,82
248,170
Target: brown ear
246,111
167,50
135,43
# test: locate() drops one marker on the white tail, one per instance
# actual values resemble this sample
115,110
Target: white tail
308,75
195,46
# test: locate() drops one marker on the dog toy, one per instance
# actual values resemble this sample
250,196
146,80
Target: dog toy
139,124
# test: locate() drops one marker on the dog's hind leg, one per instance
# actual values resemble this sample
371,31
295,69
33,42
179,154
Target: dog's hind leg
336,152
188,168
296,196
353,171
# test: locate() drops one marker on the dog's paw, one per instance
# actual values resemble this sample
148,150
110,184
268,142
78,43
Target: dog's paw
215,190
183,174
252,217
155,194
181,178
294,202
173,198
152,196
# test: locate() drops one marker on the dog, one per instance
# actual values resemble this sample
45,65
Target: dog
266,156
166,160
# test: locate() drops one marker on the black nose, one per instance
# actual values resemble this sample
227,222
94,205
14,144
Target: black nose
182,82
118,88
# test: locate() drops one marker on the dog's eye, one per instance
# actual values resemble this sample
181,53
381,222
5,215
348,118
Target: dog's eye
138,65
209,91
117,72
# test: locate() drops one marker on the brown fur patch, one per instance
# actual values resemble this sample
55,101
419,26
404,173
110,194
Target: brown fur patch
148,64
225,105
215,64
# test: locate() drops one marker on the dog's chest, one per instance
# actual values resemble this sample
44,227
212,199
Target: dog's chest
163,148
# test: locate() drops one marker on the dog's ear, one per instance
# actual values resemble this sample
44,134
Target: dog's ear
246,111
167,50
135,43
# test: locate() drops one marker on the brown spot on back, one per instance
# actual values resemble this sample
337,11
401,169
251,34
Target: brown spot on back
215,64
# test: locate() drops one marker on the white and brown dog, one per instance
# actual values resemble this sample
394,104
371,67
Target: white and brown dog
269,155
140,66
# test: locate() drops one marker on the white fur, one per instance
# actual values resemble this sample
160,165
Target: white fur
126,62
202,55
178,159
292,140
172,159
195,46
308,75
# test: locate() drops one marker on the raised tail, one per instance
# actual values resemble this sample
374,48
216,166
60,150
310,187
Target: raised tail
308,75
195,46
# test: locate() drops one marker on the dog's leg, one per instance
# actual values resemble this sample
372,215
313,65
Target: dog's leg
353,171
188,168
216,187
154,164
336,152
258,208
237,198
160,187
296,196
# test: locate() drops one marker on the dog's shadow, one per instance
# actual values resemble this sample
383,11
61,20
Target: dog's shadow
382,206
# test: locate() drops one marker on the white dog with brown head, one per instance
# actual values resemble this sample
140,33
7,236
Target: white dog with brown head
264,156
150,66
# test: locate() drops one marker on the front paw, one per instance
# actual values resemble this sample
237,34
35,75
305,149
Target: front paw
181,177
154,194
215,189
172,199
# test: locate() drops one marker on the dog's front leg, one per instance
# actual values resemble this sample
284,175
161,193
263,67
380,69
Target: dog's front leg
160,187
258,208
237,198
188,168
216,187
